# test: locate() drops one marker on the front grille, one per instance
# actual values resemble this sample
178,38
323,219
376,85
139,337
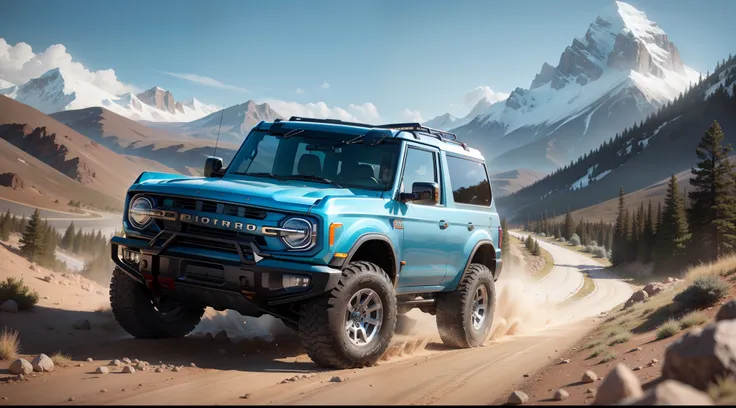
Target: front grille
208,206
219,233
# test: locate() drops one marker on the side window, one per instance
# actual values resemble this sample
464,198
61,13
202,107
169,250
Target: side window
421,166
469,181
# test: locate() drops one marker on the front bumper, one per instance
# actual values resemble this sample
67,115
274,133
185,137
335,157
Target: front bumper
250,283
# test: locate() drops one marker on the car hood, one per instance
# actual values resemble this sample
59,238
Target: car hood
260,193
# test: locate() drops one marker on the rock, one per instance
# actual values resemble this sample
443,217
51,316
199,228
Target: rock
246,396
565,361
158,370
126,360
727,311
71,399
99,292
221,337
48,279
42,364
116,363
21,366
102,370
702,356
9,306
517,398
83,325
636,349
525,375
619,384
141,366
336,379
638,368
192,365
175,369
89,360
593,391
639,296
103,390
128,369
653,288
670,392
589,377
672,280
561,395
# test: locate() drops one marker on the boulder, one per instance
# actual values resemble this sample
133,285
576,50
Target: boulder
42,364
21,367
639,296
654,288
561,395
517,398
670,392
102,370
727,311
702,356
9,306
128,369
620,383
589,377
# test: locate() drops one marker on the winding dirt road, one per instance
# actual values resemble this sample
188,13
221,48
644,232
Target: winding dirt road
419,370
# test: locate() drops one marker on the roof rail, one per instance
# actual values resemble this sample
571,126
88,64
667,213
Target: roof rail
333,121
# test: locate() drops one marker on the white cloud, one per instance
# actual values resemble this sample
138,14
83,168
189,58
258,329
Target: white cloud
365,112
202,80
474,95
299,91
324,85
412,115
19,64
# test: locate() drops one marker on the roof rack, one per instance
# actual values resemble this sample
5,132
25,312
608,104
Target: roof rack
410,126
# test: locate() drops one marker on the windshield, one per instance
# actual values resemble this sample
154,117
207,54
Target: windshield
340,160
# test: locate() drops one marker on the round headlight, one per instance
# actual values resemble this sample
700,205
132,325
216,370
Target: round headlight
139,213
297,233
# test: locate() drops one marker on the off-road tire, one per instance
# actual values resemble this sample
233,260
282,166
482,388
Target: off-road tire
322,320
134,311
454,310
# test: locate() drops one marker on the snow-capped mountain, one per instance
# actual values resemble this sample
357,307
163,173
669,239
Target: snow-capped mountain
447,121
237,121
57,90
442,122
622,70
5,84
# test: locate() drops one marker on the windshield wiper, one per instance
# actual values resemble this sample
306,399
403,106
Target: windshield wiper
312,177
269,175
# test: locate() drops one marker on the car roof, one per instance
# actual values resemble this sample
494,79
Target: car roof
412,132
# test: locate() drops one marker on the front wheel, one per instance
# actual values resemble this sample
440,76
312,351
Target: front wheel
464,317
352,325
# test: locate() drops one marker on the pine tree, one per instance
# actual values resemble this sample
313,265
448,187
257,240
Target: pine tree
619,238
6,228
712,216
537,251
67,241
649,234
47,256
569,227
673,235
31,243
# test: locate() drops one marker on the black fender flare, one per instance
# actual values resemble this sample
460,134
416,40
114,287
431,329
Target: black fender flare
472,254
370,236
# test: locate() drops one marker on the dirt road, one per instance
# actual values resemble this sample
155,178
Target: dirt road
531,330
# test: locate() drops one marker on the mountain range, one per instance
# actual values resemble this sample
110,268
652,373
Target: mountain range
622,70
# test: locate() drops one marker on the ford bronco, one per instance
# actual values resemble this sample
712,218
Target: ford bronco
336,228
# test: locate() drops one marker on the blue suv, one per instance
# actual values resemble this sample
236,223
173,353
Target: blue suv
336,228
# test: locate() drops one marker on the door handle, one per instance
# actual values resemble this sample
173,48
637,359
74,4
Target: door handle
471,226
444,224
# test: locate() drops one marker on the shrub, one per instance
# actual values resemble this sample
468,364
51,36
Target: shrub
668,329
620,338
703,292
608,356
692,319
593,243
592,344
599,252
597,351
17,291
60,359
588,249
542,234
575,240
562,239
9,345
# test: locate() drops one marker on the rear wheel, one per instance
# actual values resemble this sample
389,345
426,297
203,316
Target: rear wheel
464,317
352,325
144,317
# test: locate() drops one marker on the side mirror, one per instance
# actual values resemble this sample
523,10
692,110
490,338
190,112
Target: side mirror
422,194
213,167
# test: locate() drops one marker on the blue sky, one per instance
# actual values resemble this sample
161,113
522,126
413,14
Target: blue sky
424,56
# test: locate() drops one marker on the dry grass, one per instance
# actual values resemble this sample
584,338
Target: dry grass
597,351
607,356
60,359
723,391
668,329
693,319
721,267
9,344
592,344
620,338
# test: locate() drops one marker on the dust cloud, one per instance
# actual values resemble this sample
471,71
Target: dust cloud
239,327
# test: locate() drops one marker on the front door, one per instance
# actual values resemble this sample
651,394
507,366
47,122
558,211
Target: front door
424,248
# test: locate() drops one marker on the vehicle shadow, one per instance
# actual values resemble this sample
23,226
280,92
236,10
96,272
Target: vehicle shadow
49,330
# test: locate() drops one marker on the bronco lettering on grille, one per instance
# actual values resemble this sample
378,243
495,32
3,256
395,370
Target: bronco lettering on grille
214,221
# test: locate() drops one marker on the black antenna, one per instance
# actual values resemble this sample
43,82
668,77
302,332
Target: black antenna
222,113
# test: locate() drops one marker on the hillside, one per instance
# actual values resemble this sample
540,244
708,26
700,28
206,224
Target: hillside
623,69
126,136
640,156
69,152
509,182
